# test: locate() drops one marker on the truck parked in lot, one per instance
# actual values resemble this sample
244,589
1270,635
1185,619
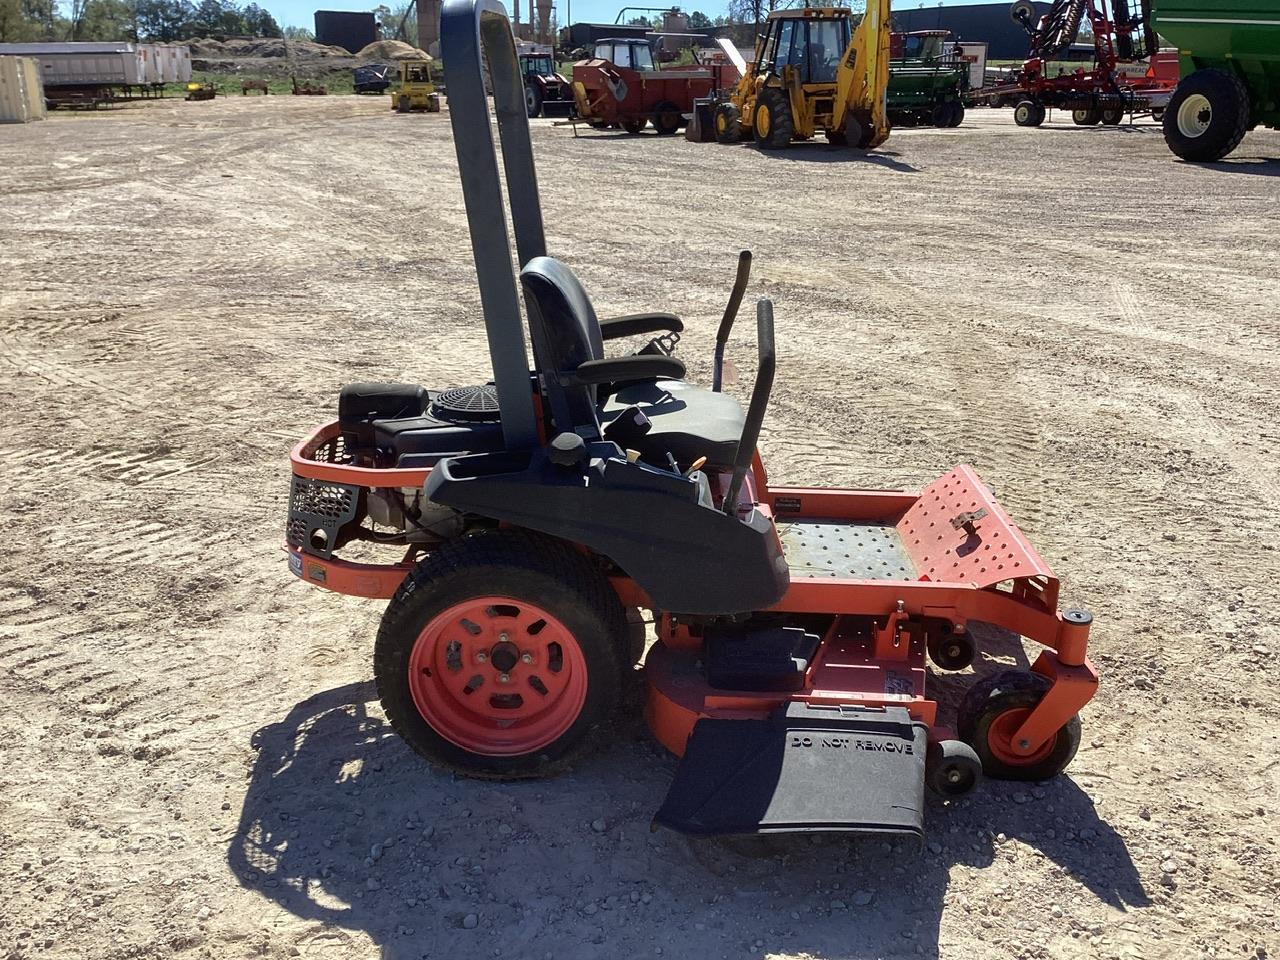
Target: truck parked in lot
1229,60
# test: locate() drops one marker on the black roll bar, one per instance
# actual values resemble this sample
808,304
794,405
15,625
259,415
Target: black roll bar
468,27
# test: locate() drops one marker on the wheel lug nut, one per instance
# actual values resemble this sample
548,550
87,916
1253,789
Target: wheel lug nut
503,638
526,658
504,678
481,657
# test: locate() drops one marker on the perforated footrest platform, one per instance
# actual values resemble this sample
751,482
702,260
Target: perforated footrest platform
806,769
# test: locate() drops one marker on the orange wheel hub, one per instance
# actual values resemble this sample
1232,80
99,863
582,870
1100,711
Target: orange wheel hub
1000,739
498,676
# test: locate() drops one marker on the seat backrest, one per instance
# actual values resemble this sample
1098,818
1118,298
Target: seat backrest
565,333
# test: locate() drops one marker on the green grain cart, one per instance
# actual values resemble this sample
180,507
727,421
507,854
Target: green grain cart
1229,55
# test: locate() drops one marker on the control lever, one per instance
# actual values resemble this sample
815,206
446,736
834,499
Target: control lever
730,314
759,403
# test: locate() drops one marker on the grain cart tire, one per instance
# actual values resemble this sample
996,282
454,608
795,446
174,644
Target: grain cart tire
502,655
634,126
1207,116
727,123
772,123
957,114
1086,118
667,118
940,115
532,100
1028,113
994,708
1111,116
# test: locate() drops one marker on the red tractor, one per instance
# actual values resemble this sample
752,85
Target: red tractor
546,93
619,86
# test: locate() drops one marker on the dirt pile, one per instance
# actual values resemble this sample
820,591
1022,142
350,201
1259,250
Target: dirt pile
263,48
392,50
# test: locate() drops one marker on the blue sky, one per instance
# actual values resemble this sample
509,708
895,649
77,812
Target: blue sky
301,13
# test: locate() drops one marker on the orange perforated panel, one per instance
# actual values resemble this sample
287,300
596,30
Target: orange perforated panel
994,552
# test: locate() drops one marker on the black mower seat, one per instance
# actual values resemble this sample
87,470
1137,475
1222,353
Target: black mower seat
584,389
688,421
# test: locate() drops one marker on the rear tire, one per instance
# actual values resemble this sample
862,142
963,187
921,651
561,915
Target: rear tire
667,118
957,114
993,708
1028,113
1086,118
1111,116
634,126
439,660
727,123
941,115
1207,116
772,123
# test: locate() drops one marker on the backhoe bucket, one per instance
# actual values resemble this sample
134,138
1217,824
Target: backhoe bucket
700,128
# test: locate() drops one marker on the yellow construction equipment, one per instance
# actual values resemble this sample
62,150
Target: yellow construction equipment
417,91
813,70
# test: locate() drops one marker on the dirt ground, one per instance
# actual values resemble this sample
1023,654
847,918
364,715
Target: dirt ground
194,762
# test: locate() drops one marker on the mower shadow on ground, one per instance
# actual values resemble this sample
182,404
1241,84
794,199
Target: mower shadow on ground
347,830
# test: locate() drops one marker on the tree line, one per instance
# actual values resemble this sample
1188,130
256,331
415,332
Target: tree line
135,20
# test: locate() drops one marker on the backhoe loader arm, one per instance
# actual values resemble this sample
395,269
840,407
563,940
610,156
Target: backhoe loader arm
863,79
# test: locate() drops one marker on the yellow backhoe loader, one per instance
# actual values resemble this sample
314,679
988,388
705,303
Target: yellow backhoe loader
813,70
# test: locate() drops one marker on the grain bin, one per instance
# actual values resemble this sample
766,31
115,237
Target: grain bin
21,92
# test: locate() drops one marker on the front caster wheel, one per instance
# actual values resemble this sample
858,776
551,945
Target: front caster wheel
951,651
501,655
992,711
951,768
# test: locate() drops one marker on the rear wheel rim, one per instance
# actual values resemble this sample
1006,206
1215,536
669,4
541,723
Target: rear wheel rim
498,676
1194,115
1000,739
